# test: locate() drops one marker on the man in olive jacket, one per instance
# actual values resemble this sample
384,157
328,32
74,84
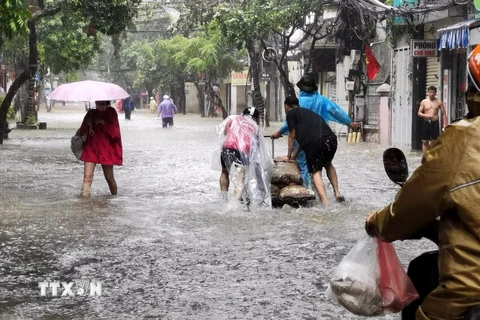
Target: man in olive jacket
445,190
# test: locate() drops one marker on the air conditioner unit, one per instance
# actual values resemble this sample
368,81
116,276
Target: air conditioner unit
355,55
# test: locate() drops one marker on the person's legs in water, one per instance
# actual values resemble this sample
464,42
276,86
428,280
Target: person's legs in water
329,148
88,170
224,183
112,184
168,122
332,176
226,159
315,164
239,180
232,169
319,186
302,164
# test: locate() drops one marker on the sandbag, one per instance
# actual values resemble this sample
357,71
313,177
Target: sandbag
280,159
276,202
275,191
285,173
295,194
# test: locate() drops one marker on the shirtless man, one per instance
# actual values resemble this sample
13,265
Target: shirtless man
429,112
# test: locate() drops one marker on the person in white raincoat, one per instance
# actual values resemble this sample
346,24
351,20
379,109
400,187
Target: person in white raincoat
245,159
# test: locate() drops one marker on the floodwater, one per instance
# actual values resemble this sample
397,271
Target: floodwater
166,247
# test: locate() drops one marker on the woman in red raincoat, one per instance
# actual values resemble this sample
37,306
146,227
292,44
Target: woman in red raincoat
103,145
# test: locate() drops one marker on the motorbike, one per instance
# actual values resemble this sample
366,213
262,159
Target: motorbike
422,270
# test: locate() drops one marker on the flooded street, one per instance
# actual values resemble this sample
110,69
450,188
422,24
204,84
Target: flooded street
166,247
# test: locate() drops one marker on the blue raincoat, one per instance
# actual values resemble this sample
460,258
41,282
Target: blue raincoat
326,108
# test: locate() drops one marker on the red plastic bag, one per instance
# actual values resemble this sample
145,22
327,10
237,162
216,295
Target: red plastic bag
396,288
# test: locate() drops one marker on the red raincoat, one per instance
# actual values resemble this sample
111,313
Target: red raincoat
104,146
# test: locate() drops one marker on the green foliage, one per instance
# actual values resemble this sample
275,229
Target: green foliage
109,17
253,19
209,55
12,115
30,119
396,31
63,44
165,63
71,76
13,18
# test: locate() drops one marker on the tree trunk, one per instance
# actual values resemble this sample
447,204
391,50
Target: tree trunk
183,98
258,101
21,100
19,81
288,87
209,93
30,108
33,66
29,73
200,97
277,104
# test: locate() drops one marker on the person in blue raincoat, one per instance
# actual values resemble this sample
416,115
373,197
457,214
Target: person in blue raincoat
310,99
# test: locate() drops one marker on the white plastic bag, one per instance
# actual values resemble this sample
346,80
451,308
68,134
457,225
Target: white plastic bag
371,281
354,283
216,161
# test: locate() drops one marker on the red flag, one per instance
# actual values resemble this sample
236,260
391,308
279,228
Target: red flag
373,67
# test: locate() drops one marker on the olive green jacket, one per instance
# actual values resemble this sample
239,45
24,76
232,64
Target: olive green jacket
446,186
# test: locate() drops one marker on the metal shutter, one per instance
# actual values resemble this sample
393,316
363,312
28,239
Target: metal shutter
432,78
332,91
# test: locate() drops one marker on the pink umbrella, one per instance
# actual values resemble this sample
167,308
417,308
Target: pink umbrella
88,91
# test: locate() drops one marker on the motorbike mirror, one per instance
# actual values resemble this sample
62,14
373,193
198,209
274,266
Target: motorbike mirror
395,165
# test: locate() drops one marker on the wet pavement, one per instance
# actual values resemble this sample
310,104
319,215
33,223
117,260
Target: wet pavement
166,247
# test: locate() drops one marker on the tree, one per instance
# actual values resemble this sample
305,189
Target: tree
141,57
64,46
151,24
13,19
109,17
209,59
251,22
254,23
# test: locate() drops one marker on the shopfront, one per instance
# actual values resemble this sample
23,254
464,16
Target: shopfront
456,42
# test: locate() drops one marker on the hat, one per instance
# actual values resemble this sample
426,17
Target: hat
307,84
165,97
251,111
473,67
151,98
